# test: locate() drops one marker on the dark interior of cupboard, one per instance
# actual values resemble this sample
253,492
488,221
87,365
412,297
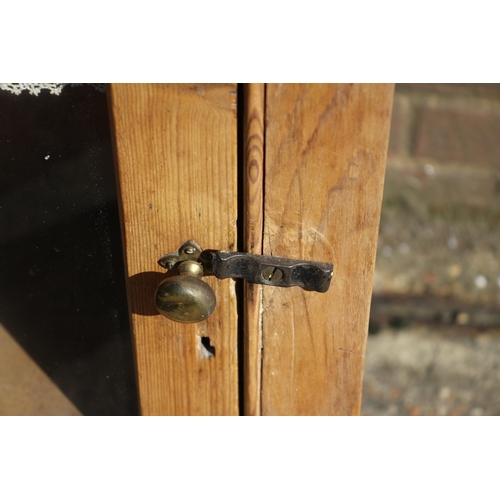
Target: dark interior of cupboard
62,285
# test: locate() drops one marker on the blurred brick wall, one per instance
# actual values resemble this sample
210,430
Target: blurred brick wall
448,123
447,137
440,227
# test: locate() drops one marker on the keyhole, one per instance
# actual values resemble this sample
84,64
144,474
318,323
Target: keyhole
207,350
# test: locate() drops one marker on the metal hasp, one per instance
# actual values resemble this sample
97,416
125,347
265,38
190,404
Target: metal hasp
273,271
184,297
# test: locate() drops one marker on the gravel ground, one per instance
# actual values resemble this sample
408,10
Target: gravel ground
432,371
435,320
446,250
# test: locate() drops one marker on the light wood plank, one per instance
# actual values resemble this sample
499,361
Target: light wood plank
25,389
325,161
253,223
176,157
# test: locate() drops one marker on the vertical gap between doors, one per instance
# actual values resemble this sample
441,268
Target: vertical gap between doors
241,241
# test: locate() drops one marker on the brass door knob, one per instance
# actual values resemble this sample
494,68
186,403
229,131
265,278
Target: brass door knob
183,296
186,298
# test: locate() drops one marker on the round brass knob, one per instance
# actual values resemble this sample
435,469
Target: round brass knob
186,298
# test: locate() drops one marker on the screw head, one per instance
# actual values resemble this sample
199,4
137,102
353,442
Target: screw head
272,274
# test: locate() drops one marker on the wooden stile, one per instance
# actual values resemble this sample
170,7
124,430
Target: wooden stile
253,222
177,172
325,159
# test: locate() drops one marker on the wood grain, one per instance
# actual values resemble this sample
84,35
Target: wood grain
176,158
253,224
325,161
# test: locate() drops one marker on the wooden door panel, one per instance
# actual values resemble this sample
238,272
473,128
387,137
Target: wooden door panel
325,153
177,172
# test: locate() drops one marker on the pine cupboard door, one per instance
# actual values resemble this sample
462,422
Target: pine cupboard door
312,170
177,172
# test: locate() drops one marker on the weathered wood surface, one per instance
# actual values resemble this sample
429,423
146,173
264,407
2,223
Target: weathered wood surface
325,153
176,159
253,209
